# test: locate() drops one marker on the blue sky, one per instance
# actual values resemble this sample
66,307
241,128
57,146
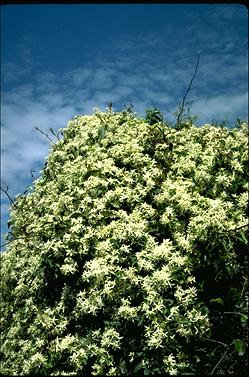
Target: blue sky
59,61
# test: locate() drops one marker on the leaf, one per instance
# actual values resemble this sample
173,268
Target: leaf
239,347
133,259
100,191
115,204
243,237
101,133
243,318
217,300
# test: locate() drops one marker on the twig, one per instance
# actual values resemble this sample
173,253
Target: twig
31,172
14,239
129,108
109,104
236,313
189,87
55,134
222,357
216,341
6,243
6,193
10,199
43,133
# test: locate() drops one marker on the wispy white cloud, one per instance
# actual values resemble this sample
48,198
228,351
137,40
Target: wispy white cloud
220,107
151,69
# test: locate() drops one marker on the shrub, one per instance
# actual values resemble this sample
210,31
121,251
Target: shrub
128,252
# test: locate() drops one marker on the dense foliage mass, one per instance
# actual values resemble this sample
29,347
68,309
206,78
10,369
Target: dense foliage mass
128,255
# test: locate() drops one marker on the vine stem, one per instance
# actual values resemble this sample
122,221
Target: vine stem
222,357
216,341
236,313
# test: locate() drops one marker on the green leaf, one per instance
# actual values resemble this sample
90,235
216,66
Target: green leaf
133,259
239,347
243,237
115,204
243,318
217,300
153,116
101,133
99,191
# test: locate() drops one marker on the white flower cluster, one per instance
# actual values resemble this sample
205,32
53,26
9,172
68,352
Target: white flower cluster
100,277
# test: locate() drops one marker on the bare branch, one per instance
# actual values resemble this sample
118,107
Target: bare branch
129,108
216,341
31,172
44,133
14,239
10,199
109,104
189,87
6,243
55,134
224,354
